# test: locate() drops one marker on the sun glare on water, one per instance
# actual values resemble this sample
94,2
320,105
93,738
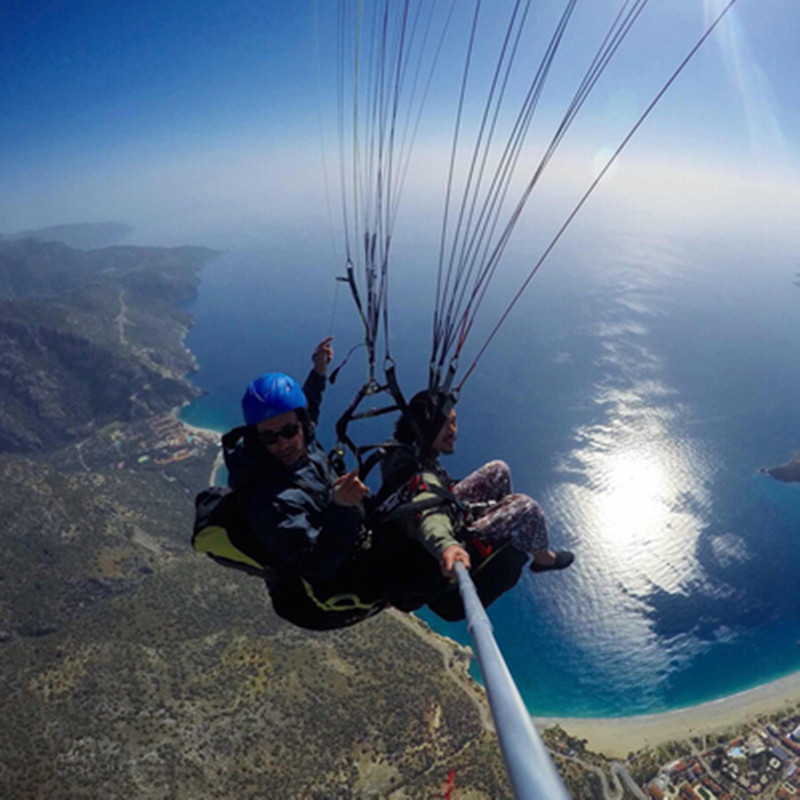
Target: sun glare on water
641,495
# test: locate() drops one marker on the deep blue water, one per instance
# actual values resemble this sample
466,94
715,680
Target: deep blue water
635,392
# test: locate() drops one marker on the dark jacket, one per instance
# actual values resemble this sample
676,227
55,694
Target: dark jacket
291,510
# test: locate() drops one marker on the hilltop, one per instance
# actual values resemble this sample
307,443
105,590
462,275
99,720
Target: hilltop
83,236
89,338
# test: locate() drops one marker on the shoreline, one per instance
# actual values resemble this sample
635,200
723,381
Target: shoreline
610,736
615,737
203,432
618,736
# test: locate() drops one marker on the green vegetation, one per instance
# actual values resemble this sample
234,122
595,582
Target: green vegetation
134,668
89,338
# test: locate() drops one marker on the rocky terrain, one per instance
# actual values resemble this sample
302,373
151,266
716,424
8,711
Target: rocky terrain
86,338
132,667
788,472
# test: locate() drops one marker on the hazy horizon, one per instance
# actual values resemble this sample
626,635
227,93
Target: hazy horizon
208,123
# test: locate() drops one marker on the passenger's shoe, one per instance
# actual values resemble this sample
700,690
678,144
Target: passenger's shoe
562,560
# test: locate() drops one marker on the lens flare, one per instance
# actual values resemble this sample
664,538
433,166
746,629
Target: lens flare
766,136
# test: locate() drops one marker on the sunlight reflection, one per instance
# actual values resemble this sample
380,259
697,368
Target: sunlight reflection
634,494
642,491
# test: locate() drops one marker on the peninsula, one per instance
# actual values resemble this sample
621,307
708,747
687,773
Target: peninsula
787,473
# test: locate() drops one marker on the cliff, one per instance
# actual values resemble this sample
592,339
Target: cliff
788,472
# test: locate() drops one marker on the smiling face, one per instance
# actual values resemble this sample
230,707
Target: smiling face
286,450
445,441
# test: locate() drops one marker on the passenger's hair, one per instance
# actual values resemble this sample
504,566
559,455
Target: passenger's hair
424,418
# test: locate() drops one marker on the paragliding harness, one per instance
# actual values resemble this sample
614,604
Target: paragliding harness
495,568
418,578
222,533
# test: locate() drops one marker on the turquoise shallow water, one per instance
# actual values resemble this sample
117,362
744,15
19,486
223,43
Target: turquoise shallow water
635,392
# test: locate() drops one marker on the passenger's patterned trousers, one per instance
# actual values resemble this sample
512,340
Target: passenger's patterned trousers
497,515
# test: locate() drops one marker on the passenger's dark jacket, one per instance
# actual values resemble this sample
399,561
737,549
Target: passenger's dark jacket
291,510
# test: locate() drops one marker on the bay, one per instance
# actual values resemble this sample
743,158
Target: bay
635,392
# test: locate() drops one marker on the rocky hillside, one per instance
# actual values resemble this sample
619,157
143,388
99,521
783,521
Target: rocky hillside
130,666
84,236
133,668
86,338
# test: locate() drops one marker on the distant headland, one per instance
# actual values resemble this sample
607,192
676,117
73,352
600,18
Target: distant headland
82,235
787,473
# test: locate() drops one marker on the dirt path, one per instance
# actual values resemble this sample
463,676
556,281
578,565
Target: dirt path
121,319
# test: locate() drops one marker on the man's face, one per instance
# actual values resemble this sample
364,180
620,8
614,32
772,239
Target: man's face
445,441
287,450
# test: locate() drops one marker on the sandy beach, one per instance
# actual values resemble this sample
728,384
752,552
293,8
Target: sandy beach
617,736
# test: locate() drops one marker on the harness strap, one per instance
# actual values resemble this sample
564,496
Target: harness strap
346,601
392,508
370,387
232,437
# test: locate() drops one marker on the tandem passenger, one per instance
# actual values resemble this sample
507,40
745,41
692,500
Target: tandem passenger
479,512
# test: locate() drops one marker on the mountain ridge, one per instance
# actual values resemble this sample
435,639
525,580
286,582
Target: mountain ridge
82,235
91,337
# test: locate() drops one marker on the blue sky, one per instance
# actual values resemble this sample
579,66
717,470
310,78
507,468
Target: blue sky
156,113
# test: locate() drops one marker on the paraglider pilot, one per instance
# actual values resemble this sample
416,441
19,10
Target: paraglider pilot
308,521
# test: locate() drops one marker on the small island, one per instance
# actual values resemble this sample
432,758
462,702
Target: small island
787,473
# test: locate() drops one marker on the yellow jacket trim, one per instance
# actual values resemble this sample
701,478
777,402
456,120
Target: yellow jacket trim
336,602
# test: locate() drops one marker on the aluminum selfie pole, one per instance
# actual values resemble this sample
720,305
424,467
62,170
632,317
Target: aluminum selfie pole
531,771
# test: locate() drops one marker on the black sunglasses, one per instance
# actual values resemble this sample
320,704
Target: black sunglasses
288,431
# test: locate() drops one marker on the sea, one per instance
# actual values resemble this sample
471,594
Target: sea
637,390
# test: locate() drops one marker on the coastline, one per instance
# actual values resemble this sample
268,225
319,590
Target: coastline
786,473
611,736
618,736
215,435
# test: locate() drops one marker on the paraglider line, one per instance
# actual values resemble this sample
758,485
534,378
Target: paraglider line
594,184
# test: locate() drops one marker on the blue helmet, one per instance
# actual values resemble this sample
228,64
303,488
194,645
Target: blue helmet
269,395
